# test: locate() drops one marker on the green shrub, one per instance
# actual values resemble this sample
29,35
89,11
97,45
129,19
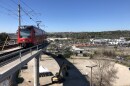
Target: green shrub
67,53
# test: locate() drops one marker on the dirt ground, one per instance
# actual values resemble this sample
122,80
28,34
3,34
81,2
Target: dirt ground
44,81
76,77
123,74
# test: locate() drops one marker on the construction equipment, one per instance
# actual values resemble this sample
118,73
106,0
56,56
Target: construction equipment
58,78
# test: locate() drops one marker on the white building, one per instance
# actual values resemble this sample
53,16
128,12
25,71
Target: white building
109,41
77,50
53,39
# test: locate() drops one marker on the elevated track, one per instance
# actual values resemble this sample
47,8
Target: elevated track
11,63
7,57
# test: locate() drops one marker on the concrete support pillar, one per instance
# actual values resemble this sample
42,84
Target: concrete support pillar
36,70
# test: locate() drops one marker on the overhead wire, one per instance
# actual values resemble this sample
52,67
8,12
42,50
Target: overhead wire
14,2
1,12
8,5
32,12
28,7
28,15
8,10
22,9
23,20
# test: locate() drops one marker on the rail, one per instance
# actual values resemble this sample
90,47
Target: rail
13,66
23,57
15,55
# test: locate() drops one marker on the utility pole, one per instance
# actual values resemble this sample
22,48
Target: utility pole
36,70
91,84
19,15
38,23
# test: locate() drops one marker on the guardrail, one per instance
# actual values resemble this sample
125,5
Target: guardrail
13,56
22,57
10,68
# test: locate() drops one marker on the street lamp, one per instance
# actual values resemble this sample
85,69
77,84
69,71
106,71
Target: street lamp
91,73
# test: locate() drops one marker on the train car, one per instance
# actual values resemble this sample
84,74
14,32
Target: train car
30,35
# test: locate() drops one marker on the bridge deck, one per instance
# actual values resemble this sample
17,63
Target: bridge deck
12,67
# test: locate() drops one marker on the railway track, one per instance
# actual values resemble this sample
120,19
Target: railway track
16,54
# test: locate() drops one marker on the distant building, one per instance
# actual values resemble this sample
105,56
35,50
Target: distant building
99,41
119,41
53,39
77,51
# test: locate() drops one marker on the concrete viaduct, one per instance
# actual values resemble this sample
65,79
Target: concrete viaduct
9,69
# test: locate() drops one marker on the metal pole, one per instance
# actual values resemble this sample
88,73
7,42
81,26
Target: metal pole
19,15
91,83
91,77
37,47
20,55
36,70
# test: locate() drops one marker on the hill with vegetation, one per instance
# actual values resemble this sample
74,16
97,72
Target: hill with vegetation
88,35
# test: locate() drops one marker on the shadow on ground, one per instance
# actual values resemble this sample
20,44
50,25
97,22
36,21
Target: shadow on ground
75,78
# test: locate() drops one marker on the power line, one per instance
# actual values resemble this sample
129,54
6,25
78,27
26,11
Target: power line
28,7
8,15
23,20
24,9
7,4
28,15
27,11
8,10
32,12
13,17
14,2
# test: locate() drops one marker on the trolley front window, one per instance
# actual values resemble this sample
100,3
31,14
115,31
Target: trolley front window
25,33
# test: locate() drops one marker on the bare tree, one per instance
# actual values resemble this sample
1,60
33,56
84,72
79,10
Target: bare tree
105,73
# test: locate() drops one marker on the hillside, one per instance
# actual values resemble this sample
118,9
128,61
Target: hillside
88,35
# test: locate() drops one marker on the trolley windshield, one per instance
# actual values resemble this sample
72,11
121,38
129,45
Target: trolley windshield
25,33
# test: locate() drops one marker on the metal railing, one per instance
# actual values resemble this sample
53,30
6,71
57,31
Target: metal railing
15,55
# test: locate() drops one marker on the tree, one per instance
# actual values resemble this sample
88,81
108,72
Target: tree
105,73
67,53
3,37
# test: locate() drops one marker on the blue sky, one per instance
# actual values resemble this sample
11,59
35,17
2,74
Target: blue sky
67,15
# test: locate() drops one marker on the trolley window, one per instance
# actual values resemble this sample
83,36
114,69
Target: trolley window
25,33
